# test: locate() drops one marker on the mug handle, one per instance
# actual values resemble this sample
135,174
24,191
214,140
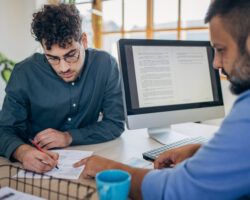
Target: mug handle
104,192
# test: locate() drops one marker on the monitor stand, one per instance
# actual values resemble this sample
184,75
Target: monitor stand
165,135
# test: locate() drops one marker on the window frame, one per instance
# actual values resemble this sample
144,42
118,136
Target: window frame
149,31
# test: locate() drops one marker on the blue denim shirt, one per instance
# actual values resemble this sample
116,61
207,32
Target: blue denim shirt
37,99
219,170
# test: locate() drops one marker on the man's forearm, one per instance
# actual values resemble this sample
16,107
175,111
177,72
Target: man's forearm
136,182
137,176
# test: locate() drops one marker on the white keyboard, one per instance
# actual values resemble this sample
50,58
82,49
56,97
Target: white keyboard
154,153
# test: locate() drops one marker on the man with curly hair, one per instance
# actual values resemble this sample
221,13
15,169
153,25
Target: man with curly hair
56,98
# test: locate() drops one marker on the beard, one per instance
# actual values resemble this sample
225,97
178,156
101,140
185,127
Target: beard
240,76
239,86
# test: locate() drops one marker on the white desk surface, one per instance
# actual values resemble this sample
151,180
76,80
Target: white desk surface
133,143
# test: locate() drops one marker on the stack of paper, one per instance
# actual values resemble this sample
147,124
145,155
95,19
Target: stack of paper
7,193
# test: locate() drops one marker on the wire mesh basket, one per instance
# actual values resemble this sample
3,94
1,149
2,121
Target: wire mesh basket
46,186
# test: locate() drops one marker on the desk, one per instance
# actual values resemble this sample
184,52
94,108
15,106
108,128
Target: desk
132,143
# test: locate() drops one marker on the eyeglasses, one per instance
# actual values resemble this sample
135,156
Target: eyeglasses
71,58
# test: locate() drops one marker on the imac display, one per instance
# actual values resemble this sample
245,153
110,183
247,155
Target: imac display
167,82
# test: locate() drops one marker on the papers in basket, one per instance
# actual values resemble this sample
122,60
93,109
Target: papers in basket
65,164
7,193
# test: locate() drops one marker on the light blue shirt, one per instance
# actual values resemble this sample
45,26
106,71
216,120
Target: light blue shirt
219,170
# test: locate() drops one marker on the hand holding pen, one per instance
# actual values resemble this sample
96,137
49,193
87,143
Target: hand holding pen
34,160
40,149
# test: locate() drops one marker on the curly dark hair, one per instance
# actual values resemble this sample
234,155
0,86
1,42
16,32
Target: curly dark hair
57,24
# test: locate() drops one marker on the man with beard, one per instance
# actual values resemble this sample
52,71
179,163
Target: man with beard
219,169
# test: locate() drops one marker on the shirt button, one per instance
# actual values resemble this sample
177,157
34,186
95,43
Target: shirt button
69,119
74,105
73,83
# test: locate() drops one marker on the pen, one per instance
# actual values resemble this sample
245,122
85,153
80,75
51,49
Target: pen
39,148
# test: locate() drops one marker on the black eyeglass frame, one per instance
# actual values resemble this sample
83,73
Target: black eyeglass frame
69,59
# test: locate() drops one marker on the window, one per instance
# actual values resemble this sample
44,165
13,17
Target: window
85,8
135,17
159,19
112,16
191,17
165,14
110,43
163,35
195,35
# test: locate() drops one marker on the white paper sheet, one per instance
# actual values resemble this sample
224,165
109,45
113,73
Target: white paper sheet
65,164
7,193
138,162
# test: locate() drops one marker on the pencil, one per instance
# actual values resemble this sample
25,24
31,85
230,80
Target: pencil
39,148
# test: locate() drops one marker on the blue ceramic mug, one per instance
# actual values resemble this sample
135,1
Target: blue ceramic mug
113,184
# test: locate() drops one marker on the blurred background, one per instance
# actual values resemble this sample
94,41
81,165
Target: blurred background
105,22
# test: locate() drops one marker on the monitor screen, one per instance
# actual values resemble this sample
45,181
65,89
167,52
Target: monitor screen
168,82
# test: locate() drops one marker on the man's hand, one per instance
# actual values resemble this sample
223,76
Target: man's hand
175,156
35,160
51,138
95,164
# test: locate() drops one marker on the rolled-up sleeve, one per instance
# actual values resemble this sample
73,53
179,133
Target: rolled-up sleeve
154,183
219,170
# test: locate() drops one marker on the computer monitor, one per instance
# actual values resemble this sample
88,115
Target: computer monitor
167,82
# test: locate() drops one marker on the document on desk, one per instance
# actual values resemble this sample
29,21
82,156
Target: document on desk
7,193
65,164
140,163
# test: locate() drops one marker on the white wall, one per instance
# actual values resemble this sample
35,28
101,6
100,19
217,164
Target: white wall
16,41
15,18
228,99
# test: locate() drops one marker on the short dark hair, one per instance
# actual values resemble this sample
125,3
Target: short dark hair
57,24
235,15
